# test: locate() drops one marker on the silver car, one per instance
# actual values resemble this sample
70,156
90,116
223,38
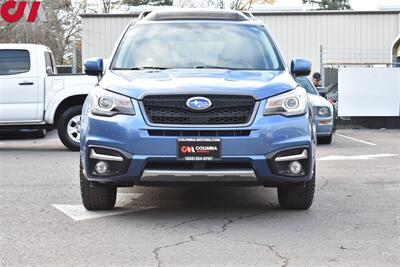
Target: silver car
323,111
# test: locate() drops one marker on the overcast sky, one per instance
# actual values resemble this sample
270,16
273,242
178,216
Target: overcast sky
356,4
373,4
298,4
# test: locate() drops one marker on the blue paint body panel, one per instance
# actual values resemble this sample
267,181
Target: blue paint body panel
130,133
94,66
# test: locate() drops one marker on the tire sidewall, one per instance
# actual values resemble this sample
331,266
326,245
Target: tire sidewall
62,127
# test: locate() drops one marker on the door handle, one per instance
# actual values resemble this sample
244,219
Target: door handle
26,83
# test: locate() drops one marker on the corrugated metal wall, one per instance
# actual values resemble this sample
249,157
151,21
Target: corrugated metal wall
369,36
297,33
100,34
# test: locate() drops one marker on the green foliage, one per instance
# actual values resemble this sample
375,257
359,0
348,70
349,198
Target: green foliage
329,4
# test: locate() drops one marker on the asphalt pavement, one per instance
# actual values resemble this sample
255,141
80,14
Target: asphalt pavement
354,221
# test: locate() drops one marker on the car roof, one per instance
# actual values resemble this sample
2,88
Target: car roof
12,46
196,14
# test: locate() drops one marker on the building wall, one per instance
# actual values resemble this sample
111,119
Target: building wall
348,37
346,34
101,32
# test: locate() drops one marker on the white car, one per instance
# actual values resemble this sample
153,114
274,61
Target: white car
34,96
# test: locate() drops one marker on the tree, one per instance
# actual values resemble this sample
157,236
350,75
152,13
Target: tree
148,2
108,5
243,5
329,4
60,32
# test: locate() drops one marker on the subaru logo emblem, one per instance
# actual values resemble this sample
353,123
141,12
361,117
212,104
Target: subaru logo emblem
198,103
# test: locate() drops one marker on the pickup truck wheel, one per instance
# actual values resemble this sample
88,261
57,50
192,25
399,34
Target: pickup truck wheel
96,196
69,128
325,140
297,197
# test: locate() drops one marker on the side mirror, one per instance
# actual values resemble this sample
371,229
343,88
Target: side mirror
322,91
94,66
300,67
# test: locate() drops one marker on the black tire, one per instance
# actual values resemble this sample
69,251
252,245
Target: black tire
96,196
297,197
63,124
326,140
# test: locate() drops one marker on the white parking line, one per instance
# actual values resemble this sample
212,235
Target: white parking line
79,213
358,157
356,140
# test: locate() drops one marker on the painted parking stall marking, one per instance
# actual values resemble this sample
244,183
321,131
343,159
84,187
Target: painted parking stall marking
356,139
80,213
357,157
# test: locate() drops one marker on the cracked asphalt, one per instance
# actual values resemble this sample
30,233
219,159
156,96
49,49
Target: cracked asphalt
354,221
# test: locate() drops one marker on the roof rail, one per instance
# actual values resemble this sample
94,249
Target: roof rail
249,15
144,14
197,14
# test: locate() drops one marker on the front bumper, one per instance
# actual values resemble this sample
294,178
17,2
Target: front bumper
324,126
130,135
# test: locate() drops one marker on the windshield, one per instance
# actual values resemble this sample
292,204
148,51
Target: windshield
197,45
306,84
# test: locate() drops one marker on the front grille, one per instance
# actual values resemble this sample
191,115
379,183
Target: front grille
199,133
225,109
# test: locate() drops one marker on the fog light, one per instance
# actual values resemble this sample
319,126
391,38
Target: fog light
295,167
101,167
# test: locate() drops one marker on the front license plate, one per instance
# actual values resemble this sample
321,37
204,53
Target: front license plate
199,149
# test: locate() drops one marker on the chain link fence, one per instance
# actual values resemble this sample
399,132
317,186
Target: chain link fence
64,69
334,59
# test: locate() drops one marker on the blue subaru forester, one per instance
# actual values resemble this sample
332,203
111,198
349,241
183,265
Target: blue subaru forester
194,97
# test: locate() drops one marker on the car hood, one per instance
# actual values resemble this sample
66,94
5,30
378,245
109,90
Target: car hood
137,84
319,101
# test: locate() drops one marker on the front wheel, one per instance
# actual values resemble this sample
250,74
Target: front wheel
69,128
297,197
96,196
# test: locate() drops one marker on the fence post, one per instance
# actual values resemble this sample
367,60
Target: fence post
321,65
74,63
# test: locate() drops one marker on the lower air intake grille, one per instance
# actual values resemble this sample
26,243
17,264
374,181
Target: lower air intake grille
199,133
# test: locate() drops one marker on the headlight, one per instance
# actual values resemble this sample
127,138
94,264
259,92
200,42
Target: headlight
323,112
106,103
289,104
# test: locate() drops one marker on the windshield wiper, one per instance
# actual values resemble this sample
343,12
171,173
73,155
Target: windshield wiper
148,68
215,67
142,68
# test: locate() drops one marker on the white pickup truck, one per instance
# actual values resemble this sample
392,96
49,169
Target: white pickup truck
34,96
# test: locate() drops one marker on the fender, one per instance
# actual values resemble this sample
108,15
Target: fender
61,95
55,103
